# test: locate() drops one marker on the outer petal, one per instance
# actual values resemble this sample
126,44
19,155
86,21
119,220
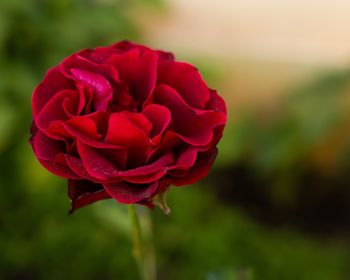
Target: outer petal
56,108
77,167
186,80
216,103
54,81
131,193
98,55
193,126
83,192
58,169
165,56
96,164
186,159
125,46
149,173
78,61
47,151
200,169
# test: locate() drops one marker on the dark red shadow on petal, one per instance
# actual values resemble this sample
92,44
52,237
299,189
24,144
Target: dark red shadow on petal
50,153
84,192
139,70
160,118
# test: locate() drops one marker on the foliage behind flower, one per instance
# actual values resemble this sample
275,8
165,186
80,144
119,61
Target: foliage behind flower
125,122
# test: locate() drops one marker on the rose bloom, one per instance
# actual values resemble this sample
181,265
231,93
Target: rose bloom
125,122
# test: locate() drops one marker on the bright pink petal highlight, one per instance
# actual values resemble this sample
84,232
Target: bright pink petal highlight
103,90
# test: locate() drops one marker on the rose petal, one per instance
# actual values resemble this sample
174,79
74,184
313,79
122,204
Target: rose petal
200,169
46,150
122,131
216,102
83,100
54,81
165,56
131,193
160,118
103,90
140,121
54,108
126,45
186,80
77,167
98,55
138,70
88,128
85,125
84,192
56,130
59,169
118,156
78,61
89,141
193,126
186,159
148,173
95,164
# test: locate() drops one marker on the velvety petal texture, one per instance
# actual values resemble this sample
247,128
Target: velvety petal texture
125,122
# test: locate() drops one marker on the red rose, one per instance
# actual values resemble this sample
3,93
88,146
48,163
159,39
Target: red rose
125,121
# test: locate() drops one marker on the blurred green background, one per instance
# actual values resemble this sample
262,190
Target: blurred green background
275,206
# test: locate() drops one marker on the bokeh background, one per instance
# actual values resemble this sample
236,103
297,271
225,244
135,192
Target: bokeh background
276,204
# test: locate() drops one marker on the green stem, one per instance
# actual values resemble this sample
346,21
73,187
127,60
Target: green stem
143,243
150,256
138,248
